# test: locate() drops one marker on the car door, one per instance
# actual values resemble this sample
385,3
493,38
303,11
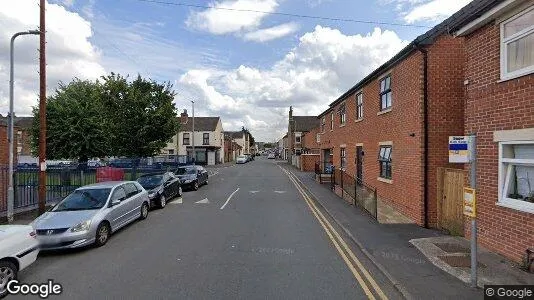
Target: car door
203,175
167,188
174,183
133,202
118,212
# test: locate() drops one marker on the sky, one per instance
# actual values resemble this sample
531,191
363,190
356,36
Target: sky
246,67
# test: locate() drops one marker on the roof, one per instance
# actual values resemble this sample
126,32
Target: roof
469,12
234,134
201,124
305,123
23,122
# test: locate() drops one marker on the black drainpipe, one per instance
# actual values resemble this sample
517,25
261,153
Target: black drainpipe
425,123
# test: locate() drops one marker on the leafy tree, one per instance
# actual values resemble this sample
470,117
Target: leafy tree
140,115
74,117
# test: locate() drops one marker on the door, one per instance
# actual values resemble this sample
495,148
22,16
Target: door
359,164
211,158
450,200
132,203
118,212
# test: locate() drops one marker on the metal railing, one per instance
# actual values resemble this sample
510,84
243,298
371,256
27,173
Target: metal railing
362,195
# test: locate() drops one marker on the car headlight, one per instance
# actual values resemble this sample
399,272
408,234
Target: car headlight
152,195
83,226
188,181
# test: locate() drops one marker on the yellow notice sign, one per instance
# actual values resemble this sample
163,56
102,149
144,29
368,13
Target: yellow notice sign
470,202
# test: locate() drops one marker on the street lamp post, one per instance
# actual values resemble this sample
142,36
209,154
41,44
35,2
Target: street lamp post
10,191
193,138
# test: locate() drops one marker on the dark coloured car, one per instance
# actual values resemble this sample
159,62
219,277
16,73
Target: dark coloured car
161,187
192,177
122,163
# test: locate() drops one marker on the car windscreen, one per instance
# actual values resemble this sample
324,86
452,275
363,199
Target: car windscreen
184,171
84,199
150,182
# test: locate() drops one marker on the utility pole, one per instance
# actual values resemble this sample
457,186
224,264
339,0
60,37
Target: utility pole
193,135
42,108
10,190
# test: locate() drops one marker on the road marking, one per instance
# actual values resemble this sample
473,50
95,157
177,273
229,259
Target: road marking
279,192
203,201
176,201
329,229
254,192
228,200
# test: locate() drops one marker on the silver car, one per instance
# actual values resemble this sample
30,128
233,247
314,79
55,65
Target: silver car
90,214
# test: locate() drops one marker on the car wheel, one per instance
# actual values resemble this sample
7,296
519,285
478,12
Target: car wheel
206,183
102,234
162,201
8,272
195,186
144,211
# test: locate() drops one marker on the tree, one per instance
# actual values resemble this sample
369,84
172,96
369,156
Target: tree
75,127
140,115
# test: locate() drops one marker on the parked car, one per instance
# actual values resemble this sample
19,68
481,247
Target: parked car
271,156
18,250
90,214
241,159
122,163
192,177
161,187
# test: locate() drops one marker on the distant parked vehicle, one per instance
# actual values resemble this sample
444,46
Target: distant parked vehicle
241,159
161,187
192,177
271,156
90,214
124,163
18,250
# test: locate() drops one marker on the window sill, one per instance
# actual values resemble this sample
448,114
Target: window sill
511,77
390,181
517,205
342,125
385,111
358,120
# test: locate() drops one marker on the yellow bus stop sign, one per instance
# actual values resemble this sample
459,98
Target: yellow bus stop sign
470,202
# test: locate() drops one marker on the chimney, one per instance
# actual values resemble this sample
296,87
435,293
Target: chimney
184,117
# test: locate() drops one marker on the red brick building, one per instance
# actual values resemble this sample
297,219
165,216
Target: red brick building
499,109
391,129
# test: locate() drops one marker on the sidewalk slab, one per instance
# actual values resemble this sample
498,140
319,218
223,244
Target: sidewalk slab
389,247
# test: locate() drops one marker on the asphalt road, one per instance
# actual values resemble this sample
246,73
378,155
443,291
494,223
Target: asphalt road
265,243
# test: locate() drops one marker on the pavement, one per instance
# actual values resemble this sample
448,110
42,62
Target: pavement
388,247
250,234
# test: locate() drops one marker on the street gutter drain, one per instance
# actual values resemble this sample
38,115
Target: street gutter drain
463,261
452,247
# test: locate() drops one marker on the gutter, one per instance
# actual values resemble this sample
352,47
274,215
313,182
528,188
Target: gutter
425,133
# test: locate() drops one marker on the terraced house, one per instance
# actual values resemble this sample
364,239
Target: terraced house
391,129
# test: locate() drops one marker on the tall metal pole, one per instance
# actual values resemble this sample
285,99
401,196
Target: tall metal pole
473,184
193,138
10,190
42,108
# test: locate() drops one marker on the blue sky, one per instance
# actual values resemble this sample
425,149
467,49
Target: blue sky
246,67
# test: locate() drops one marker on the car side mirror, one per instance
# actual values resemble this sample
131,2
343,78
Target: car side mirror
115,202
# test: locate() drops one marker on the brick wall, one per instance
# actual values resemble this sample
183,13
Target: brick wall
307,162
309,140
493,105
403,126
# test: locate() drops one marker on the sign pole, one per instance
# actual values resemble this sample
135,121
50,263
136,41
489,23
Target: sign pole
473,181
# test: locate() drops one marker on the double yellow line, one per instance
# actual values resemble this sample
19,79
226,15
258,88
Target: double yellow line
364,278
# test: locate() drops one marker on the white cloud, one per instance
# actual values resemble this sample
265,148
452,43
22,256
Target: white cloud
68,3
271,33
323,65
435,10
69,51
220,21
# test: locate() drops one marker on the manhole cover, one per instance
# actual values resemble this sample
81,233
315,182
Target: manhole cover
452,247
459,261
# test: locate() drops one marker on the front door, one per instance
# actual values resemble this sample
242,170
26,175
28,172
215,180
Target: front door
359,164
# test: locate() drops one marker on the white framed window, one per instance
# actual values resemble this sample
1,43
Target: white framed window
318,138
342,114
517,45
331,121
359,106
516,175
323,124
385,93
297,139
343,157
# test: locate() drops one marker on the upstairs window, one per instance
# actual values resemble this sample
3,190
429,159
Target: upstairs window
359,106
384,160
185,138
205,139
385,93
318,138
342,114
517,45
323,124
332,121
297,139
343,156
